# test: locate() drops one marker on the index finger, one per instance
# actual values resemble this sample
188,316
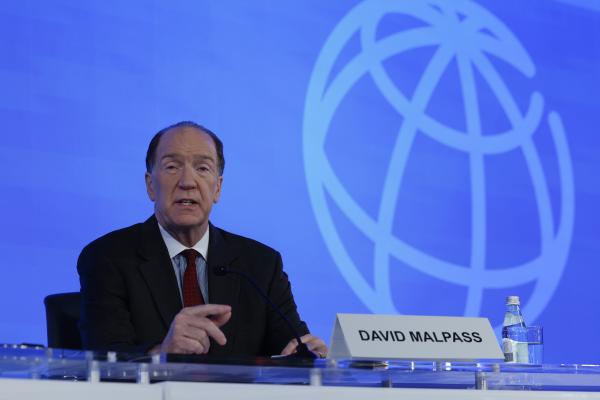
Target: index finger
311,341
206,310
289,348
221,319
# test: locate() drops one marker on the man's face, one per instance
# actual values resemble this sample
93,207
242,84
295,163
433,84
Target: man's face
185,181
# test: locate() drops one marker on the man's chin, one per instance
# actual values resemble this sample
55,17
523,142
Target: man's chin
184,222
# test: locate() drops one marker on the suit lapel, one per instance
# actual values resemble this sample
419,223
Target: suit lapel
222,289
157,270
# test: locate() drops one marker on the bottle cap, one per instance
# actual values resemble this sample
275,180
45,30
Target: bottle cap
513,300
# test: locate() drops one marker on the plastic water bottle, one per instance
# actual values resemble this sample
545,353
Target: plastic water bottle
514,333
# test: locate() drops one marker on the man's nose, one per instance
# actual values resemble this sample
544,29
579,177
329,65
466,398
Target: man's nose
186,180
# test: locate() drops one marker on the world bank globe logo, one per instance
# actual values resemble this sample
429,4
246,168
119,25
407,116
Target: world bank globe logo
474,40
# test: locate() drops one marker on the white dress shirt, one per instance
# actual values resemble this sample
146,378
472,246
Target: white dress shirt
179,262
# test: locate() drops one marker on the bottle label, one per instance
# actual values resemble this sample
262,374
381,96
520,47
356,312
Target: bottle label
514,351
509,349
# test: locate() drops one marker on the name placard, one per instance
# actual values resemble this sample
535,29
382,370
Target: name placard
408,337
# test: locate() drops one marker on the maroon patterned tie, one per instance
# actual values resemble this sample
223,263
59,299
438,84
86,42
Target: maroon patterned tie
192,296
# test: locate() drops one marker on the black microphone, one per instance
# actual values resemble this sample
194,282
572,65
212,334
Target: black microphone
301,351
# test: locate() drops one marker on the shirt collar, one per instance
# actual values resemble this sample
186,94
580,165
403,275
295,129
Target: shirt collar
175,247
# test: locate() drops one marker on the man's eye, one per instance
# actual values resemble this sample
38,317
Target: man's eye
171,167
203,168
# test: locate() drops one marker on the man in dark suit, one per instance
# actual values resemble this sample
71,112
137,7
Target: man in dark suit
152,287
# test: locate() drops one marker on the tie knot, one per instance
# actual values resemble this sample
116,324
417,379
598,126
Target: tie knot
190,256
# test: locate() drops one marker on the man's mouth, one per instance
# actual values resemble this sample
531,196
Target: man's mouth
186,202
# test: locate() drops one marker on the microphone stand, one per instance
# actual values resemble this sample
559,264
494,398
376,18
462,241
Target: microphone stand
302,351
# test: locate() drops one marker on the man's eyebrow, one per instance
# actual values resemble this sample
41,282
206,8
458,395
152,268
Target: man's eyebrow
176,156
171,155
204,157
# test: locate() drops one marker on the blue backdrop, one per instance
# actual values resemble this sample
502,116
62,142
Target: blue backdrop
415,157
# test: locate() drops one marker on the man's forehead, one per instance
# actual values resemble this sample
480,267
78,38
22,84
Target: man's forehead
186,139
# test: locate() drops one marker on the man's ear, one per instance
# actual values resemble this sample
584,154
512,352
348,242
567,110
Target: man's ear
149,189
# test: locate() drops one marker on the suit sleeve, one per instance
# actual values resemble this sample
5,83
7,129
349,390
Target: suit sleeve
105,322
280,292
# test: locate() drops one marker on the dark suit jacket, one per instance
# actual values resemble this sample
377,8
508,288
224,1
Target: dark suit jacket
130,295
